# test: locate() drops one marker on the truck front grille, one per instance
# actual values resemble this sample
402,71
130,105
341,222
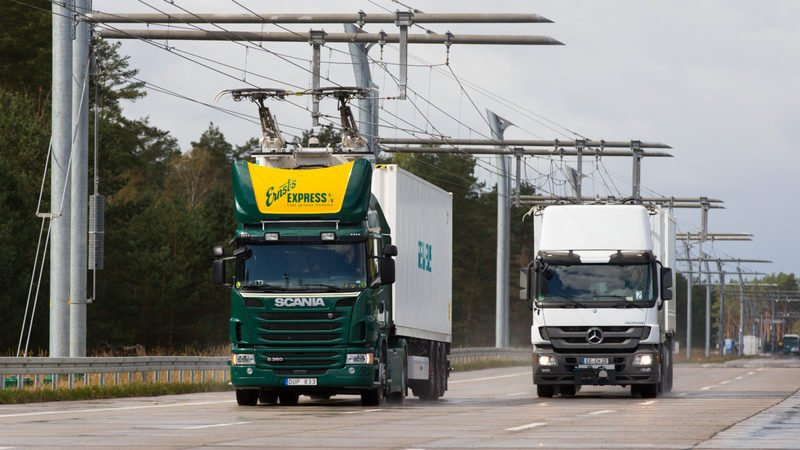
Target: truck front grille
615,339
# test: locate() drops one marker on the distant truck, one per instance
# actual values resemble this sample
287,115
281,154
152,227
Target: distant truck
791,344
600,286
342,281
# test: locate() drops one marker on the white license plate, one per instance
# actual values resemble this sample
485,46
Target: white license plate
594,361
300,382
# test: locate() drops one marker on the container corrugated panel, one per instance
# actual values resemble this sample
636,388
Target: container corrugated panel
421,220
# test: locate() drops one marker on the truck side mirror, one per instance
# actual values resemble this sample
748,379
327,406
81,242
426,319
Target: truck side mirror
387,269
524,282
666,283
218,266
389,250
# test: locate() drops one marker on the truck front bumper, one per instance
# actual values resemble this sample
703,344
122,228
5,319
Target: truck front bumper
570,369
349,379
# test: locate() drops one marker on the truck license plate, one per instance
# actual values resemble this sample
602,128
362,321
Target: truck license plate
594,361
300,382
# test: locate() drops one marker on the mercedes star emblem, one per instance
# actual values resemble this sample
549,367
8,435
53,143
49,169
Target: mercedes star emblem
594,336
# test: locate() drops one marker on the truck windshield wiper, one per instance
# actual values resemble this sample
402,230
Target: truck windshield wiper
569,303
265,287
324,285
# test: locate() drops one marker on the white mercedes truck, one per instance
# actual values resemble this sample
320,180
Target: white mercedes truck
600,287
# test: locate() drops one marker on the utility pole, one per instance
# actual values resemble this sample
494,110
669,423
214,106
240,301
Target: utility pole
79,180
367,107
59,181
688,304
721,318
740,339
498,126
316,39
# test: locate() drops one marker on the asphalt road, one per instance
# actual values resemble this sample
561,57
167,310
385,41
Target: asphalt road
753,404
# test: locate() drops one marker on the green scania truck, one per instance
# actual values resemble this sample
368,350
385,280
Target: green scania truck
341,280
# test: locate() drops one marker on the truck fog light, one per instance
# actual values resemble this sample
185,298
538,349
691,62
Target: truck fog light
327,236
643,359
249,370
359,358
351,370
547,360
243,359
272,236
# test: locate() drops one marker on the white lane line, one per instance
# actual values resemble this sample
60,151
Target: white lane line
514,394
544,404
526,426
705,388
602,411
121,408
358,411
649,402
472,380
738,378
750,373
683,394
724,382
216,425
759,370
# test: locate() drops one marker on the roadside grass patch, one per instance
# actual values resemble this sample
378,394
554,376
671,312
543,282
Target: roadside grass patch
48,394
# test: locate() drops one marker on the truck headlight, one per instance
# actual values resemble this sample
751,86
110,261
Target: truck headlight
243,359
643,359
359,358
547,360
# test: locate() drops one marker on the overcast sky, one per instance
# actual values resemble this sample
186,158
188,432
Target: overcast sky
716,80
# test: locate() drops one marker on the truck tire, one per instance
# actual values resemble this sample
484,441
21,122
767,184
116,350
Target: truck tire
567,390
288,398
268,397
544,390
247,397
646,390
430,390
375,396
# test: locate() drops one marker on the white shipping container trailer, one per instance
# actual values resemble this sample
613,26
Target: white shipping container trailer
420,217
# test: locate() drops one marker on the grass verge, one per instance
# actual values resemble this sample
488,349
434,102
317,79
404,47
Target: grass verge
47,394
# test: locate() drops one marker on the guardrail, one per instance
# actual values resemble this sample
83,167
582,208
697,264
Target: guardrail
69,372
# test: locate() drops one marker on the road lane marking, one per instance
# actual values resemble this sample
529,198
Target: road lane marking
472,380
362,411
738,378
750,373
544,404
649,402
514,394
526,426
121,408
705,388
759,370
602,411
215,425
724,382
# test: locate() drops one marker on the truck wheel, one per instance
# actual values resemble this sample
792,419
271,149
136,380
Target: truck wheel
648,390
429,390
288,398
247,397
268,397
567,390
374,397
544,390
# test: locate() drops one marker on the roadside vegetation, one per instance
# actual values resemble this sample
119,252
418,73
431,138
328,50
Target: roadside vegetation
48,394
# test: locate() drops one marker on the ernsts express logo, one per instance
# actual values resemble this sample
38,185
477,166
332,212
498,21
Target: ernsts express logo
296,198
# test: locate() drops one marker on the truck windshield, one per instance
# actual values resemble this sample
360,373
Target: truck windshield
595,282
299,267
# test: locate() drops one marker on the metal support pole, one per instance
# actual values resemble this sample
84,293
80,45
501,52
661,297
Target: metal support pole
688,305
708,310
59,180
518,157
317,40
721,318
636,149
580,144
367,107
404,20
740,339
498,126
79,180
